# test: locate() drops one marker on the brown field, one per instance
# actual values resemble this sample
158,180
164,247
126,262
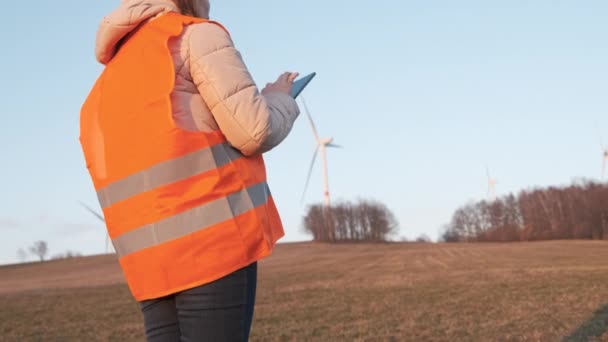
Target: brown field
548,291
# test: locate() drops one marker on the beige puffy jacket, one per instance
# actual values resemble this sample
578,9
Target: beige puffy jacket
213,88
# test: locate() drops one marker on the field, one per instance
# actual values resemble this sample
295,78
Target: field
549,291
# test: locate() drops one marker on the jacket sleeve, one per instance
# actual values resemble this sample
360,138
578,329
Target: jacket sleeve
251,122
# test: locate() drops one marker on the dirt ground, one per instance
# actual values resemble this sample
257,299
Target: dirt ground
549,291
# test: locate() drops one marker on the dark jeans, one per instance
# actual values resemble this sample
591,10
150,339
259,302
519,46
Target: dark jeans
218,311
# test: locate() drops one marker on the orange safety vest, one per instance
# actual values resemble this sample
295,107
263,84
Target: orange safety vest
182,208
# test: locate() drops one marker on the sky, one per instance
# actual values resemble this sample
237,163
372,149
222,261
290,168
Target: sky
421,94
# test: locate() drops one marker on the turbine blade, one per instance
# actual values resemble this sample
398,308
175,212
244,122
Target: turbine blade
312,164
604,169
334,145
98,215
312,123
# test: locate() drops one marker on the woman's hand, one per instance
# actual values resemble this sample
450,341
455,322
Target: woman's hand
282,85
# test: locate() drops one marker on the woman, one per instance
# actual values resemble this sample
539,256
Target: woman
172,134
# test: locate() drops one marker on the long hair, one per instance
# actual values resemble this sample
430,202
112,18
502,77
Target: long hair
186,7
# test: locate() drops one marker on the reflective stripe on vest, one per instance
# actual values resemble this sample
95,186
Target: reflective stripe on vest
168,172
182,208
190,221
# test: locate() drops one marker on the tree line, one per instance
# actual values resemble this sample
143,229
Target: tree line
577,211
40,250
365,220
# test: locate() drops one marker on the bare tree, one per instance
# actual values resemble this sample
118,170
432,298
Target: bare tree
449,234
67,255
40,249
21,254
423,239
314,222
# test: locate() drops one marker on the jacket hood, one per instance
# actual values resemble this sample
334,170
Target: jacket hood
123,20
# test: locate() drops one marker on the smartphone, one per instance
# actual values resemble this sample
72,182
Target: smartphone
300,84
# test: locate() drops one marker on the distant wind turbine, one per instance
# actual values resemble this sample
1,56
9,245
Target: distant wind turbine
321,145
491,186
107,246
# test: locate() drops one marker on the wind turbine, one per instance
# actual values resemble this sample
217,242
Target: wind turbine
100,217
322,145
491,186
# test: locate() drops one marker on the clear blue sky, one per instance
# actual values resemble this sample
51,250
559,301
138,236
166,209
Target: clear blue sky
422,94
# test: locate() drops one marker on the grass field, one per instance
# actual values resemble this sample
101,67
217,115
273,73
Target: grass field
550,291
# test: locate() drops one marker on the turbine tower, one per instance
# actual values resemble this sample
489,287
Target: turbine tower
321,145
491,186
108,245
